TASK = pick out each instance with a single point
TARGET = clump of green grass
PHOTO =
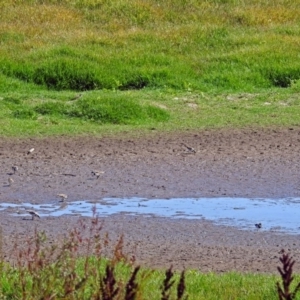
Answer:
(51, 108)
(67, 69)
(115, 110)
(24, 113)
(66, 74)
(283, 76)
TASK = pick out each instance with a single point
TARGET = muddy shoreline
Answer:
(208, 163)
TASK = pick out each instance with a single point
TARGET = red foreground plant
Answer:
(287, 277)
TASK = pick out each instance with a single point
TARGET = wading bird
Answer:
(189, 149)
(33, 214)
(97, 173)
(10, 181)
(63, 197)
(258, 225)
(15, 169)
(30, 151)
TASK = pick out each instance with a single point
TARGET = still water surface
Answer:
(281, 215)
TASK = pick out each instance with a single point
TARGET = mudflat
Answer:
(205, 163)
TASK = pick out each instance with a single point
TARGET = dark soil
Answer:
(230, 163)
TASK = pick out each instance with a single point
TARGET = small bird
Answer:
(33, 214)
(15, 169)
(190, 149)
(97, 173)
(30, 151)
(10, 181)
(258, 225)
(63, 197)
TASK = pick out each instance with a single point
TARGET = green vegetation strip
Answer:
(139, 65)
(198, 285)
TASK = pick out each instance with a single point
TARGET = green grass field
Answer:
(140, 65)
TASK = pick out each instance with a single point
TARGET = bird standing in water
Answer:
(258, 225)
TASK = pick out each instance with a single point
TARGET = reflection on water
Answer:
(274, 214)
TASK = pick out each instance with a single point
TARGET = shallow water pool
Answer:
(281, 215)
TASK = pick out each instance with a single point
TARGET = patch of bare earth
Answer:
(230, 163)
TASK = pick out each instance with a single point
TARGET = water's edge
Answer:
(274, 214)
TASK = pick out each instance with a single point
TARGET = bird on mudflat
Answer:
(15, 169)
(30, 151)
(258, 225)
(97, 173)
(63, 197)
(10, 181)
(189, 149)
(33, 214)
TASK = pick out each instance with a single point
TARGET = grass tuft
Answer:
(24, 113)
(284, 78)
(66, 74)
(115, 110)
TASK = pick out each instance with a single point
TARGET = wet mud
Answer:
(207, 163)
